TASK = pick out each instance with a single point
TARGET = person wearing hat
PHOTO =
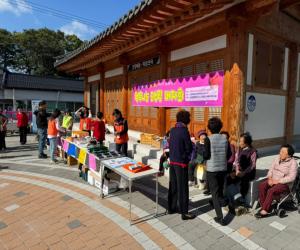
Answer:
(121, 132)
(198, 157)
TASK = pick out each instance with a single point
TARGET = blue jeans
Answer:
(42, 133)
(53, 146)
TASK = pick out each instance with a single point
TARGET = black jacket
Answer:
(180, 145)
(41, 118)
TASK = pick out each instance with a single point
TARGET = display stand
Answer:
(130, 177)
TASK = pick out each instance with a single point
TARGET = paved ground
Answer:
(49, 207)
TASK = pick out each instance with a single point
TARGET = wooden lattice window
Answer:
(215, 112)
(269, 64)
(199, 114)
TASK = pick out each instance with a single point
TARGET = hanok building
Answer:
(256, 42)
(21, 89)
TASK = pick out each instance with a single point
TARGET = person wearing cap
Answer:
(67, 120)
(198, 156)
(121, 132)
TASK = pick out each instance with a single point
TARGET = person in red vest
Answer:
(99, 128)
(85, 115)
(53, 131)
(22, 124)
(121, 132)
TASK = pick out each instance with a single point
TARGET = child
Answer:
(163, 162)
(99, 128)
(198, 157)
(53, 133)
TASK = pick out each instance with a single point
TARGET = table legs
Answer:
(156, 209)
(130, 201)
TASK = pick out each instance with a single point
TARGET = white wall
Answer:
(268, 119)
(94, 78)
(113, 72)
(199, 48)
(297, 117)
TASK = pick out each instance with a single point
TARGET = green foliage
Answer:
(35, 51)
(7, 49)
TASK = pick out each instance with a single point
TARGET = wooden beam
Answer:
(288, 3)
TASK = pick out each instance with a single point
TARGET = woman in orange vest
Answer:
(85, 115)
(53, 131)
(121, 132)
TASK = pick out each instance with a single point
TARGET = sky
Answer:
(17, 15)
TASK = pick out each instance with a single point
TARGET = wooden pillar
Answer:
(101, 91)
(292, 93)
(125, 92)
(86, 91)
(235, 89)
(163, 75)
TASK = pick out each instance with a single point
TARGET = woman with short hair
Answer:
(282, 173)
(180, 151)
(218, 153)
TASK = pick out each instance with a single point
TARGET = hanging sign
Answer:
(251, 103)
(145, 64)
(204, 90)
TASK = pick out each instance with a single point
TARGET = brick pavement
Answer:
(77, 206)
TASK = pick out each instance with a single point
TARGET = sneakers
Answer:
(43, 156)
(188, 216)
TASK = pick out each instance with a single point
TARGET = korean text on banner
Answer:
(205, 90)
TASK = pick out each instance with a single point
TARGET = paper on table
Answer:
(72, 150)
(92, 162)
(82, 156)
(65, 145)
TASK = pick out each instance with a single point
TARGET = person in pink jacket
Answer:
(282, 173)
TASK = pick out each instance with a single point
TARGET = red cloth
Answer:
(268, 193)
(22, 120)
(99, 130)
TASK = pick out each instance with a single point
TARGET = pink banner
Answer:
(92, 162)
(204, 90)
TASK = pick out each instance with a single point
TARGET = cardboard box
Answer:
(91, 179)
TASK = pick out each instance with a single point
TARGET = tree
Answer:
(7, 49)
(37, 50)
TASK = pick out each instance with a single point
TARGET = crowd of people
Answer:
(50, 128)
(209, 161)
(225, 170)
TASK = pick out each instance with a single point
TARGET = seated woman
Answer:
(244, 167)
(282, 172)
(164, 159)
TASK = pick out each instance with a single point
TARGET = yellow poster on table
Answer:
(82, 156)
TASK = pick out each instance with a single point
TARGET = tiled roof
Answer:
(23, 81)
(123, 20)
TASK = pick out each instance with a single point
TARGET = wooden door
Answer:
(94, 105)
(112, 97)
